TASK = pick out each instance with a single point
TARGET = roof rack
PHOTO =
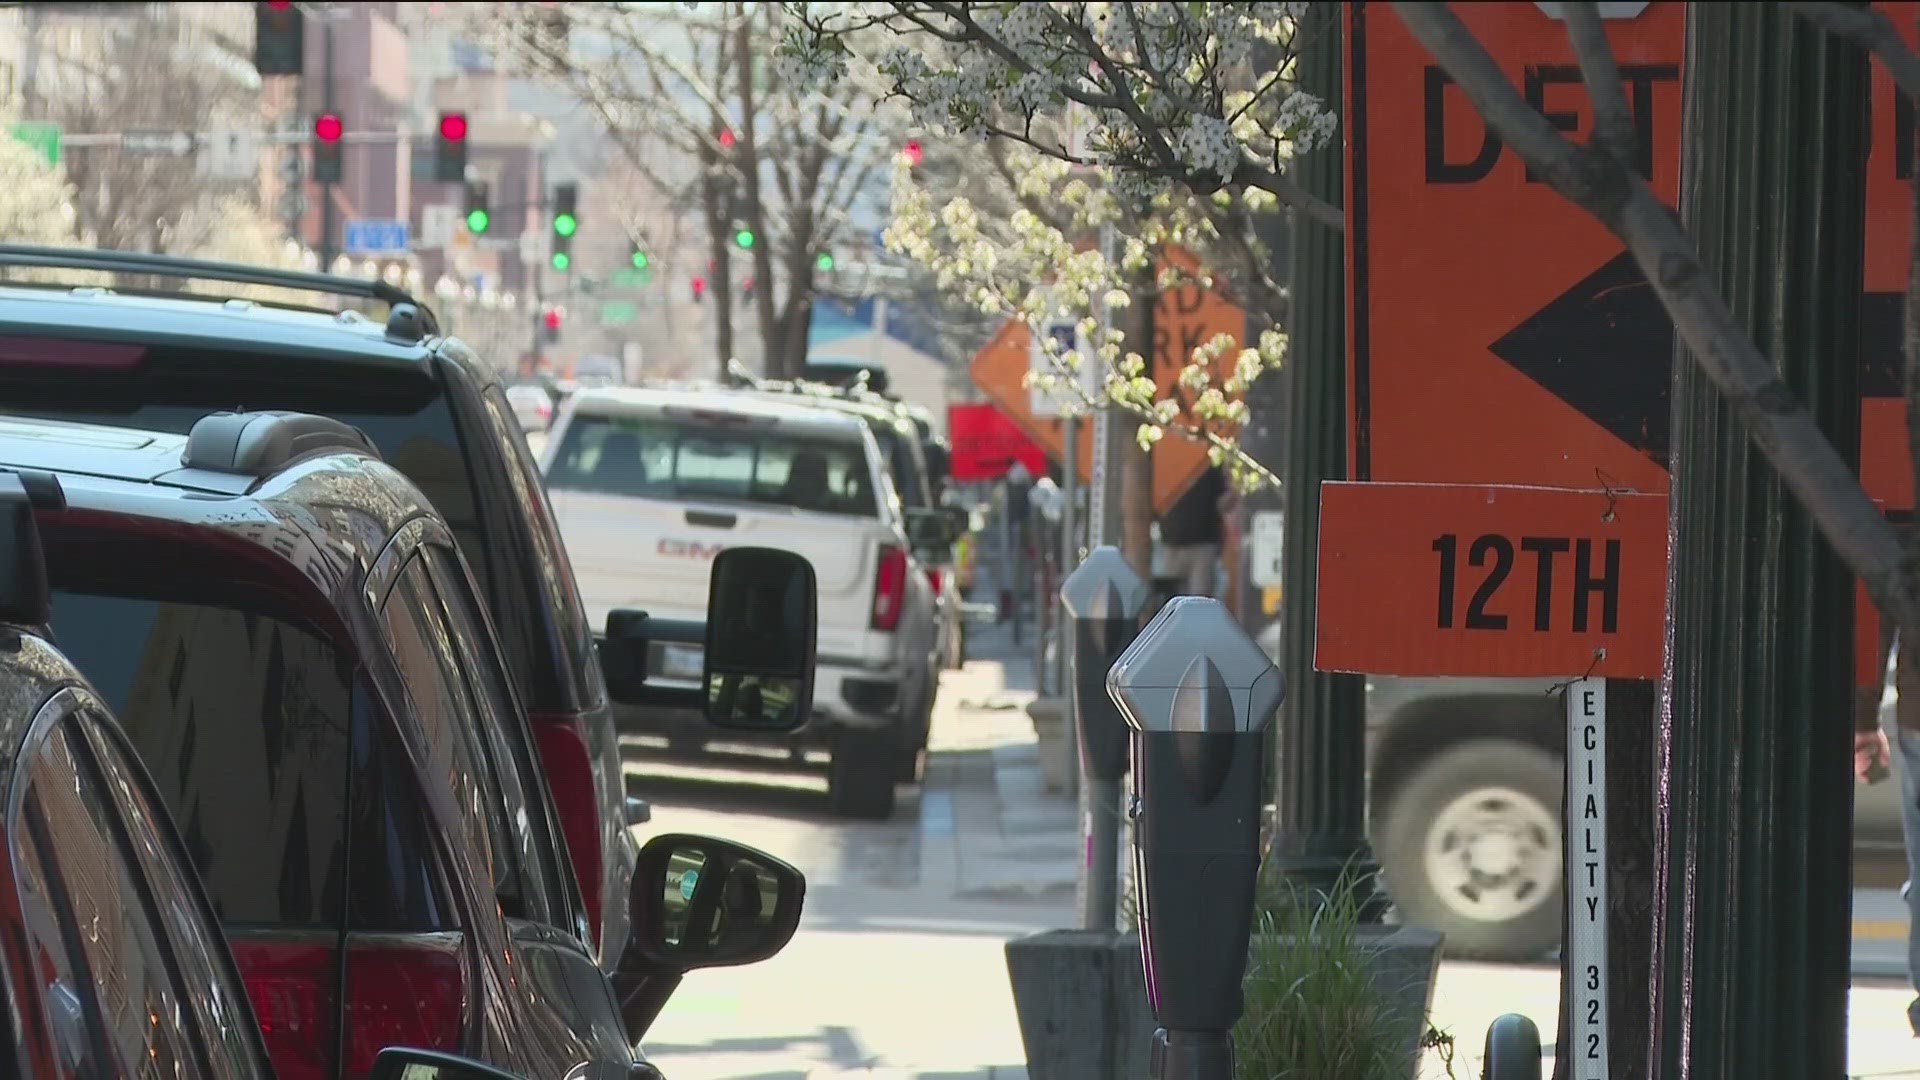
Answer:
(740, 377)
(407, 319)
(259, 444)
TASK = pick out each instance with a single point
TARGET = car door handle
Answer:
(711, 521)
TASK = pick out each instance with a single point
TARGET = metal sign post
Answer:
(1586, 840)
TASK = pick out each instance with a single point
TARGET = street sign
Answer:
(985, 444)
(157, 143)
(1551, 364)
(438, 223)
(375, 236)
(1266, 546)
(1460, 579)
(42, 135)
(1185, 317)
(1056, 397)
(231, 155)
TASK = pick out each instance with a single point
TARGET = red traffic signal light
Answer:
(453, 126)
(328, 128)
(552, 318)
(699, 287)
(913, 151)
(726, 138)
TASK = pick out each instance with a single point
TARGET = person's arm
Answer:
(1866, 711)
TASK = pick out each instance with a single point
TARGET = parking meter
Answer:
(1197, 693)
(1103, 597)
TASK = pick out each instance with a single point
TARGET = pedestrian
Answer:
(1870, 753)
(1192, 532)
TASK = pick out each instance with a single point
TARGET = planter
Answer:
(1081, 998)
(1082, 1002)
(1058, 764)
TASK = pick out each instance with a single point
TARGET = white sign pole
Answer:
(1587, 875)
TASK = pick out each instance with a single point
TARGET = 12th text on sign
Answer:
(1588, 566)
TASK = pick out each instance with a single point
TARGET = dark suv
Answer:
(434, 410)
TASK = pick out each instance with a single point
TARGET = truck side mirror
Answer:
(930, 532)
(755, 651)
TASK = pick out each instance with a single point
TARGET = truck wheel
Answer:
(860, 776)
(914, 731)
(1471, 847)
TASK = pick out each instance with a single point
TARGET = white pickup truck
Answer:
(648, 484)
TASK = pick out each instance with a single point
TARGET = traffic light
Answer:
(639, 257)
(551, 320)
(726, 138)
(478, 216)
(743, 236)
(565, 198)
(327, 130)
(699, 288)
(279, 38)
(746, 289)
(824, 262)
(450, 161)
(913, 152)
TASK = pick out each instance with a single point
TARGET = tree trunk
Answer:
(1135, 464)
(719, 282)
(776, 365)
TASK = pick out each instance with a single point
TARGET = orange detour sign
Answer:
(1185, 318)
(1458, 579)
(1499, 334)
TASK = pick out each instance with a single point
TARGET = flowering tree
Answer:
(1173, 121)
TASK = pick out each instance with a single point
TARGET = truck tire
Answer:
(860, 775)
(915, 729)
(1470, 846)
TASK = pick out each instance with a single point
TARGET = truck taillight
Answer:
(935, 579)
(889, 588)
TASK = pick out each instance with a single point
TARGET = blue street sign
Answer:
(375, 236)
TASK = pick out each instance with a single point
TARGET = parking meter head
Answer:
(761, 625)
(1104, 586)
(1154, 681)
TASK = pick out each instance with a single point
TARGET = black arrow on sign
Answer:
(1605, 347)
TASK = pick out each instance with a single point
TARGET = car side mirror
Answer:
(700, 902)
(930, 533)
(959, 521)
(407, 1063)
(756, 647)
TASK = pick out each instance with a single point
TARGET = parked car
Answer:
(649, 484)
(320, 699)
(918, 486)
(532, 406)
(435, 410)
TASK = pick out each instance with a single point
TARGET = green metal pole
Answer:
(1320, 768)
(1750, 950)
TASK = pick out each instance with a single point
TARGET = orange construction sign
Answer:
(1185, 318)
(1499, 334)
(1459, 579)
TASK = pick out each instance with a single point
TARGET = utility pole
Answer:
(1753, 893)
(1320, 765)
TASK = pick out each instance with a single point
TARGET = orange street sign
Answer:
(1457, 579)
(1500, 335)
(1185, 318)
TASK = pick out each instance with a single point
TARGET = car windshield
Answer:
(660, 458)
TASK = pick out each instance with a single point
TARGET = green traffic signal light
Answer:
(564, 224)
(824, 261)
(561, 260)
(477, 221)
(639, 260)
(744, 238)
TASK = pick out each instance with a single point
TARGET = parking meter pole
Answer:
(1198, 694)
(1102, 598)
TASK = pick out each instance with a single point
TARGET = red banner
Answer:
(986, 444)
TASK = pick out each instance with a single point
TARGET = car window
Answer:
(448, 716)
(243, 721)
(660, 458)
(228, 1034)
(507, 740)
(114, 997)
(908, 478)
(579, 665)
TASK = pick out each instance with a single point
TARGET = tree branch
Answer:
(1780, 426)
(1872, 30)
(1612, 119)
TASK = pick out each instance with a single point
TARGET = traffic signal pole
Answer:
(1753, 893)
(329, 223)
